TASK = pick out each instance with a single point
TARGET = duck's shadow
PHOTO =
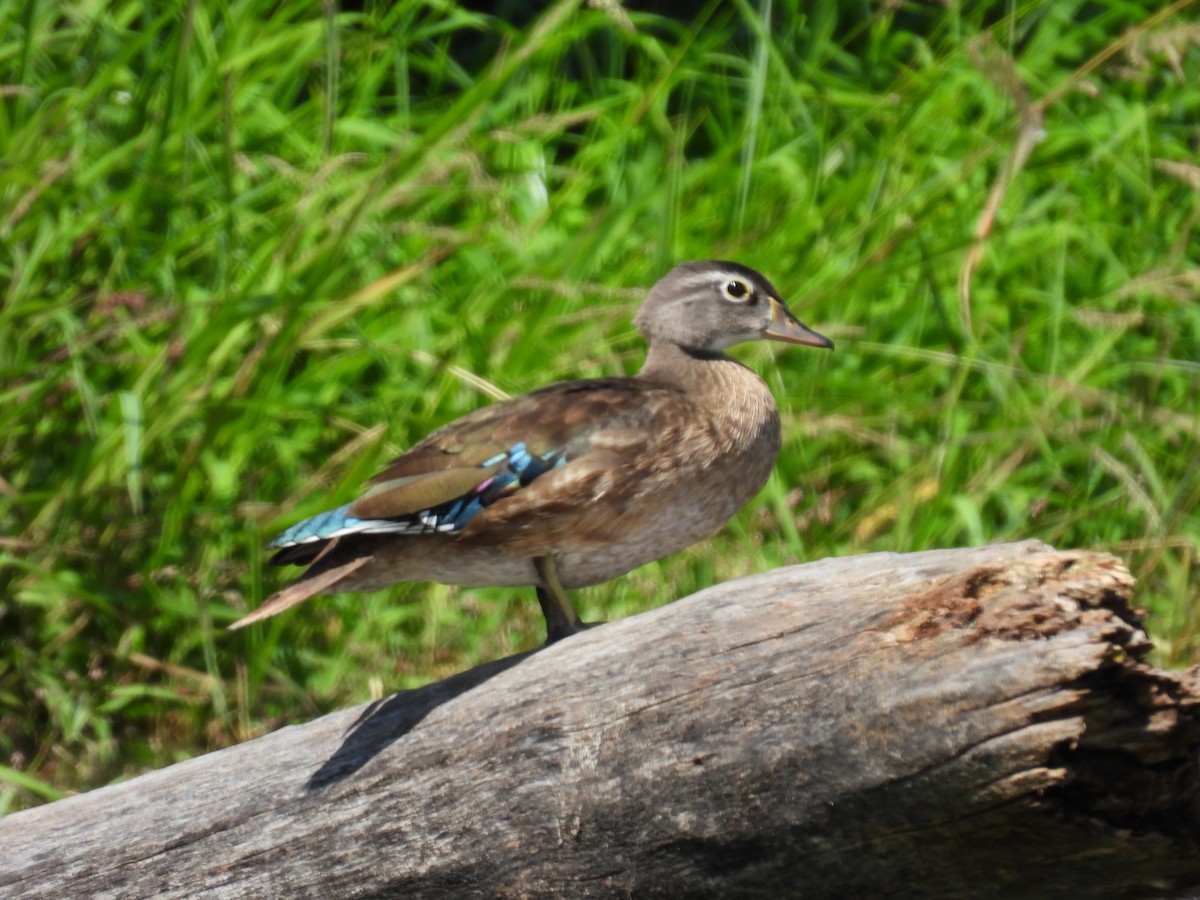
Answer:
(386, 721)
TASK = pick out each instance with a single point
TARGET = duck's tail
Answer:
(321, 577)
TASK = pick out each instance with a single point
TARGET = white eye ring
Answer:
(737, 291)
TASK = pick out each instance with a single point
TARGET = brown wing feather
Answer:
(618, 464)
(478, 436)
(611, 431)
(550, 418)
(413, 493)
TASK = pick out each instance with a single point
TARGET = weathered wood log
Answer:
(963, 723)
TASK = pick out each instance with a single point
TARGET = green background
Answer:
(250, 251)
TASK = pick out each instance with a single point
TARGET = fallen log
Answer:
(959, 723)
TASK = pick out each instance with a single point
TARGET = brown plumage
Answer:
(578, 482)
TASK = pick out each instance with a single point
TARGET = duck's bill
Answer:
(787, 328)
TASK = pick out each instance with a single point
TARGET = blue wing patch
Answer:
(521, 468)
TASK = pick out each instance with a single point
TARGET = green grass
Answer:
(245, 258)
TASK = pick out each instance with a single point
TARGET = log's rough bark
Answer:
(960, 723)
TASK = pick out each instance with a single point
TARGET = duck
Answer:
(577, 482)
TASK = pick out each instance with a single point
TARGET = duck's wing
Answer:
(470, 473)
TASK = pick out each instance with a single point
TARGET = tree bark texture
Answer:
(959, 723)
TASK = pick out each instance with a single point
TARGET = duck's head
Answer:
(708, 306)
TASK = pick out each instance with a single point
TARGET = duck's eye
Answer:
(736, 289)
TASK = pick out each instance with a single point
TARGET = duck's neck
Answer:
(730, 393)
(669, 363)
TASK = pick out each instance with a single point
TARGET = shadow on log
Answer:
(960, 723)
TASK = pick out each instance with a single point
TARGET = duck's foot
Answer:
(561, 619)
(558, 631)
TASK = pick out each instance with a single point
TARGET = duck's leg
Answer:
(561, 619)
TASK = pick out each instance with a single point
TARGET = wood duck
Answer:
(577, 482)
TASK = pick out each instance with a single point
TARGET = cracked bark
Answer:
(961, 723)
